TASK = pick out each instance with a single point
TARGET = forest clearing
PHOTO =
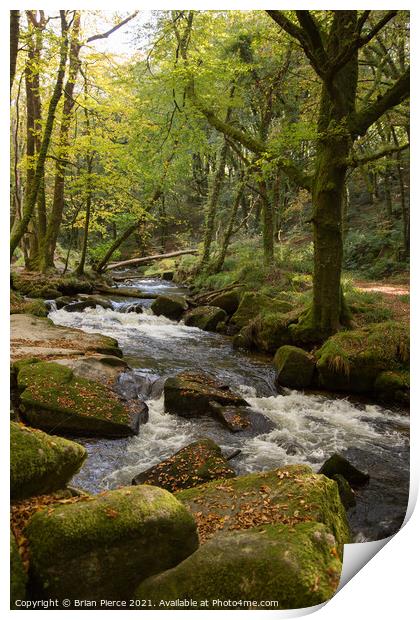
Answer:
(209, 303)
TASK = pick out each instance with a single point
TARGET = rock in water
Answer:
(195, 464)
(18, 577)
(338, 465)
(228, 301)
(291, 494)
(88, 301)
(41, 463)
(345, 491)
(54, 398)
(297, 567)
(101, 548)
(242, 419)
(205, 317)
(190, 393)
(295, 367)
(170, 306)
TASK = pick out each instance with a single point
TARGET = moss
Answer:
(297, 567)
(290, 494)
(256, 304)
(295, 367)
(18, 577)
(41, 463)
(346, 492)
(352, 360)
(393, 386)
(170, 306)
(103, 547)
(20, 305)
(228, 301)
(205, 317)
(53, 397)
(194, 464)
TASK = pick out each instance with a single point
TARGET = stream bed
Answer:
(308, 427)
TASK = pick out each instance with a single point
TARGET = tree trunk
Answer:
(81, 266)
(14, 43)
(32, 191)
(56, 215)
(218, 265)
(268, 224)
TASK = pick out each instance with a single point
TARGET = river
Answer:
(308, 427)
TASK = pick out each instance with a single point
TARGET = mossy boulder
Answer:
(393, 386)
(346, 492)
(53, 398)
(197, 463)
(291, 494)
(101, 548)
(88, 301)
(267, 332)
(295, 367)
(297, 567)
(51, 286)
(338, 465)
(41, 463)
(205, 317)
(253, 304)
(20, 305)
(171, 306)
(353, 360)
(228, 301)
(189, 394)
(18, 576)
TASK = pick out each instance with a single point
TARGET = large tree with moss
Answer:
(331, 42)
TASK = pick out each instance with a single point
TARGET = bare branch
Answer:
(106, 34)
(354, 162)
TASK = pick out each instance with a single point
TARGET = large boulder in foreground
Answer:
(353, 360)
(295, 367)
(190, 394)
(103, 547)
(194, 464)
(297, 567)
(171, 306)
(52, 397)
(18, 576)
(41, 463)
(40, 338)
(205, 317)
(291, 494)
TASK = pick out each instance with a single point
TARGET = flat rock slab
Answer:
(33, 337)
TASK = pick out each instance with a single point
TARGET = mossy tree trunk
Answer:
(14, 43)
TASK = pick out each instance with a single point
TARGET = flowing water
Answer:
(308, 427)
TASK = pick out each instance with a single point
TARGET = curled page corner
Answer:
(356, 555)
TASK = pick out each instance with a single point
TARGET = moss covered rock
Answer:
(87, 301)
(41, 463)
(53, 398)
(353, 360)
(51, 286)
(205, 317)
(228, 301)
(346, 492)
(20, 305)
(102, 548)
(295, 367)
(253, 304)
(291, 494)
(393, 386)
(189, 394)
(267, 332)
(338, 465)
(297, 567)
(197, 463)
(18, 576)
(171, 306)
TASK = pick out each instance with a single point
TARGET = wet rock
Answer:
(298, 567)
(89, 301)
(205, 317)
(64, 300)
(337, 464)
(101, 547)
(190, 393)
(233, 454)
(295, 367)
(195, 464)
(41, 463)
(242, 419)
(18, 576)
(228, 301)
(38, 337)
(291, 494)
(101, 368)
(170, 306)
(53, 398)
(346, 492)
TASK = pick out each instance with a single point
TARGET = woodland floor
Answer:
(391, 293)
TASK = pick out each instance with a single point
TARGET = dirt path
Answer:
(391, 294)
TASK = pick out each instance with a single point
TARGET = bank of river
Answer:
(308, 427)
